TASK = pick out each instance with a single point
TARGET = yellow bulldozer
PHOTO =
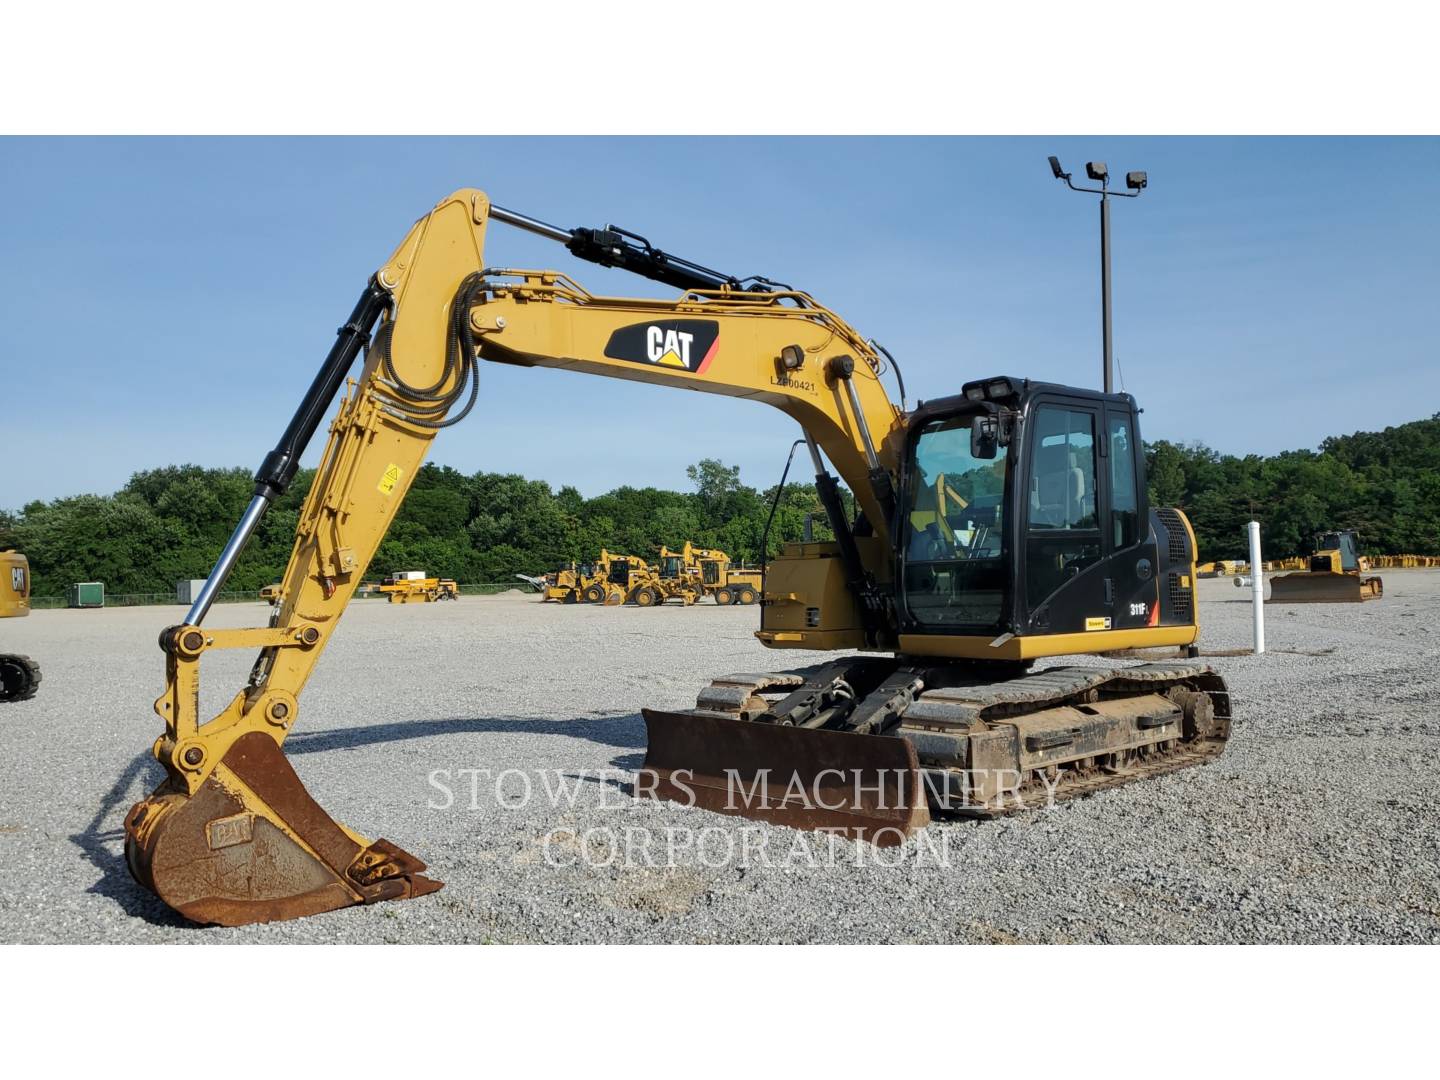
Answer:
(19, 675)
(924, 702)
(1336, 574)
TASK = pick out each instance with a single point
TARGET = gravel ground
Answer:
(1318, 825)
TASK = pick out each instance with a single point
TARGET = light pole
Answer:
(1136, 182)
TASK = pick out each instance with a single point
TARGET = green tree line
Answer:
(1383, 484)
(168, 524)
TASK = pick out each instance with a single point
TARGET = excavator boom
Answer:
(232, 836)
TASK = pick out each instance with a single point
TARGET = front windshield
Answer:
(955, 511)
(670, 566)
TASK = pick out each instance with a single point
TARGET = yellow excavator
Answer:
(19, 675)
(931, 706)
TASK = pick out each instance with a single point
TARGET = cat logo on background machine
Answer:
(689, 344)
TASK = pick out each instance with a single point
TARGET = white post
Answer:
(1257, 578)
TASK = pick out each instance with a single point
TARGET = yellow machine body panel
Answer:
(19, 675)
(14, 585)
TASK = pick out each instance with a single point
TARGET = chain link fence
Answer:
(42, 603)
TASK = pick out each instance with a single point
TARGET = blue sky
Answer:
(169, 300)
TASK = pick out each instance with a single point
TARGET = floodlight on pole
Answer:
(1136, 182)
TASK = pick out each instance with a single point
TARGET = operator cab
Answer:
(1344, 543)
(1023, 511)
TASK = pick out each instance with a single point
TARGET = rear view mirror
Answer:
(984, 437)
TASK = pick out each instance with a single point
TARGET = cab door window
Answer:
(1063, 535)
(1124, 490)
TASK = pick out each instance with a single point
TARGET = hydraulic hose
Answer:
(429, 406)
(775, 505)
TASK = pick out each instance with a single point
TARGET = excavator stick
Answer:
(1321, 587)
(251, 845)
(864, 787)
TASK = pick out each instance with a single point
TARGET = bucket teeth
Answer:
(251, 845)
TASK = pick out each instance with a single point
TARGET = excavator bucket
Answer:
(1320, 587)
(865, 787)
(251, 845)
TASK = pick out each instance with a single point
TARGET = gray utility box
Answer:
(87, 594)
(187, 591)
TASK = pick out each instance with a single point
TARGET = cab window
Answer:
(954, 522)
(1124, 497)
(1064, 531)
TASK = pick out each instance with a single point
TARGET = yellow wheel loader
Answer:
(931, 705)
(19, 675)
(1336, 574)
(614, 579)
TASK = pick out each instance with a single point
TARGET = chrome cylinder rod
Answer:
(223, 565)
(870, 457)
(815, 454)
(529, 224)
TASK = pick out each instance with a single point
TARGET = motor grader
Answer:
(19, 675)
(417, 587)
(931, 706)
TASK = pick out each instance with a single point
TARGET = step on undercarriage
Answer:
(869, 746)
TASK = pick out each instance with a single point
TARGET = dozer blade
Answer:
(866, 787)
(251, 845)
(1319, 587)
